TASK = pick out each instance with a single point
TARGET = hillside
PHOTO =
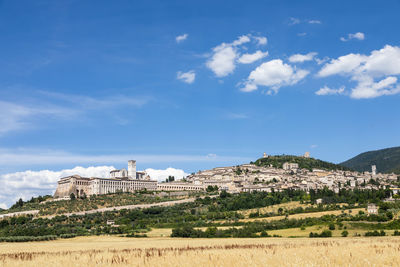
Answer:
(386, 160)
(304, 163)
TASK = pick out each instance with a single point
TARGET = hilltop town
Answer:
(257, 177)
(268, 174)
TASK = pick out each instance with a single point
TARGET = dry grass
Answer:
(302, 215)
(288, 206)
(114, 251)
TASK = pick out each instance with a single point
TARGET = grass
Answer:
(301, 215)
(116, 251)
(274, 208)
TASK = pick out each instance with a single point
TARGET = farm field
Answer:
(300, 215)
(118, 251)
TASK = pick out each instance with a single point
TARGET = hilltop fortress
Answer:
(257, 176)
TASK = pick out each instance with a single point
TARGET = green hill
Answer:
(304, 163)
(386, 160)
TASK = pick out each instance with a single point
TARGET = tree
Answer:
(345, 233)
(211, 188)
(72, 196)
(331, 226)
(20, 202)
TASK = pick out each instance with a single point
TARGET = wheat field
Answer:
(118, 251)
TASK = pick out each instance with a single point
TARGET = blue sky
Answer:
(194, 85)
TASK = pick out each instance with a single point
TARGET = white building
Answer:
(373, 168)
(290, 166)
(372, 209)
(119, 181)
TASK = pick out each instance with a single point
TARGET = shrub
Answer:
(325, 233)
(345, 233)
(375, 233)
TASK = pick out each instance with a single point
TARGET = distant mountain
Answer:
(304, 163)
(386, 160)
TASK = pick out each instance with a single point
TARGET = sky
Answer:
(182, 86)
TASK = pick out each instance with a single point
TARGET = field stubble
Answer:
(109, 251)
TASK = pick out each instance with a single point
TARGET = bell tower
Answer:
(132, 169)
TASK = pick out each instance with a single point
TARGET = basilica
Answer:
(120, 181)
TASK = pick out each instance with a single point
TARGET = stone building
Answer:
(119, 181)
(176, 186)
(290, 166)
(372, 208)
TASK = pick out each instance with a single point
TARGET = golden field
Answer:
(118, 251)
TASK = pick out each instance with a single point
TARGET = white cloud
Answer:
(225, 56)
(222, 61)
(261, 40)
(301, 58)
(33, 183)
(160, 175)
(21, 115)
(235, 116)
(301, 34)
(358, 35)
(3, 206)
(273, 74)
(15, 116)
(181, 38)
(342, 65)
(241, 40)
(314, 22)
(328, 91)
(367, 88)
(187, 77)
(294, 21)
(381, 65)
(250, 58)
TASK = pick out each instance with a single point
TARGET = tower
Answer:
(373, 167)
(132, 169)
(307, 154)
(265, 155)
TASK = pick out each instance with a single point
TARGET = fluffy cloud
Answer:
(187, 77)
(222, 62)
(342, 65)
(181, 38)
(301, 58)
(358, 35)
(225, 56)
(250, 58)
(273, 74)
(33, 183)
(367, 88)
(328, 91)
(374, 73)
(160, 175)
(261, 40)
